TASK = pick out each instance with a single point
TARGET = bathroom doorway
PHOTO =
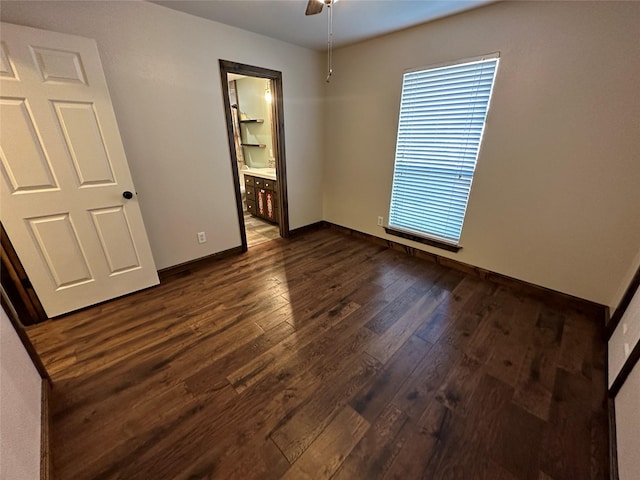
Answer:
(255, 128)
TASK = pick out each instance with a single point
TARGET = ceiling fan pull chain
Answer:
(330, 42)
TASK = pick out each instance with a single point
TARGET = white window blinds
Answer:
(442, 117)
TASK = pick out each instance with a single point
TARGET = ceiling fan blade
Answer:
(313, 7)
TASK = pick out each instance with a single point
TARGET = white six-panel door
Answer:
(64, 172)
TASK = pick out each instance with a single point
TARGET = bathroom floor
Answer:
(258, 230)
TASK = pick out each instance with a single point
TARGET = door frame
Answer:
(277, 105)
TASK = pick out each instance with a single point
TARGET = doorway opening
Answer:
(255, 129)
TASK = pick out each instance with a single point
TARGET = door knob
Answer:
(127, 194)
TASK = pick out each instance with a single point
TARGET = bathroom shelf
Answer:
(259, 145)
(252, 120)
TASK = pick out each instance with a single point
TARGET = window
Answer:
(442, 117)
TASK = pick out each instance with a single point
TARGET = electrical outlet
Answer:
(202, 237)
(380, 221)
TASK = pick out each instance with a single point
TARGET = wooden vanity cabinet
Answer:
(262, 197)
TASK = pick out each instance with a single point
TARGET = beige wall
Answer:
(164, 79)
(555, 201)
(556, 197)
(20, 402)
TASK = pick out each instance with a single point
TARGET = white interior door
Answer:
(64, 172)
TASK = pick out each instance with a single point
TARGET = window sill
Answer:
(427, 241)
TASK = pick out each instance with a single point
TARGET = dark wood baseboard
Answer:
(624, 303)
(196, 264)
(537, 291)
(15, 320)
(427, 241)
(309, 228)
(45, 432)
(18, 288)
(613, 447)
(627, 367)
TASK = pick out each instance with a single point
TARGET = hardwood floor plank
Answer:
(125, 378)
(507, 358)
(256, 459)
(381, 322)
(383, 347)
(566, 447)
(458, 387)
(465, 449)
(599, 447)
(373, 398)
(416, 444)
(272, 401)
(307, 332)
(516, 447)
(276, 399)
(536, 379)
(212, 377)
(544, 476)
(327, 452)
(267, 318)
(491, 400)
(326, 355)
(600, 452)
(421, 386)
(153, 453)
(373, 455)
(493, 332)
(575, 352)
(303, 426)
(472, 298)
(304, 341)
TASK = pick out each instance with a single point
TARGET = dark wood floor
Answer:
(327, 357)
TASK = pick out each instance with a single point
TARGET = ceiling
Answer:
(353, 20)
